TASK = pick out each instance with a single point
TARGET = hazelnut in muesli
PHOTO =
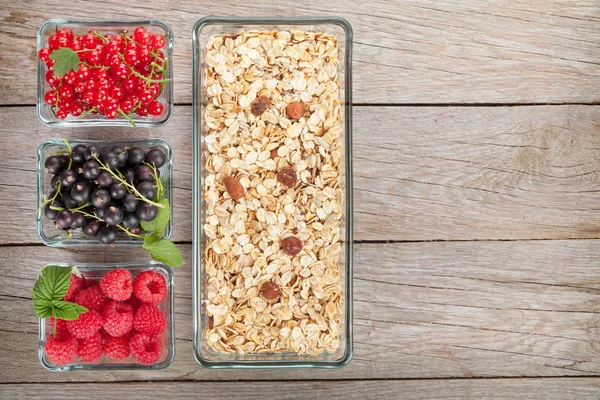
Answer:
(273, 153)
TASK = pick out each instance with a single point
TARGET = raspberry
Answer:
(91, 298)
(150, 287)
(60, 349)
(135, 302)
(59, 327)
(86, 325)
(75, 285)
(90, 349)
(117, 284)
(118, 318)
(146, 348)
(117, 347)
(149, 319)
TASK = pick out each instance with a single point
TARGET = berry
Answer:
(81, 192)
(150, 287)
(144, 173)
(50, 97)
(146, 212)
(91, 228)
(64, 219)
(156, 108)
(92, 298)
(91, 169)
(53, 165)
(129, 203)
(78, 154)
(59, 326)
(130, 220)
(146, 348)
(118, 191)
(68, 177)
(44, 54)
(117, 284)
(156, 157)
(111, 160)
(118, 318)
(100, 198)
(91, 151)
(90, 349)
(68, 201)
(104, 179)
(113, 215)
(78, 220)
(60, 349)
(117, 348)
(86, 325)
(158, 42)
(150, 319)
(76, 283)
(147, 189)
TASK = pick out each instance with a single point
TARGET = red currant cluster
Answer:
(116, 75)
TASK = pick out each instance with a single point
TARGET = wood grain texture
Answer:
(417, 51)
(422, 310)
(422, 173)
(531, 389)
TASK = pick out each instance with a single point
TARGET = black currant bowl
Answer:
(95, 272)
(47, 114)
(48, 230)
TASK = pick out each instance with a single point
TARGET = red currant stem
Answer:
(128, 185)
(88, 111)
(95, 33)
(131, 121)
(85, 50)
(137, 105)
(134, 72)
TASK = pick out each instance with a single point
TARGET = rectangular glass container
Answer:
(203, 30)
(55, 237)
(96, 271)
(44, 110)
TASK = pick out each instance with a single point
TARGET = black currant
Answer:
(54, 181)
(100, 198)
(49, 212)
(122, 155)
(117, 191)
(113, 215)
(104, 179)
(64, 219)
(136, 230)
(67, 178)
(91, 170)
(136, 156)
(53, 165)
(129, 175)
(90, 151)
(143, 173)
(68, 201)
(156, 157)
(130, 220)
(111, 160)
(146, 212)
(147, 189)
(108, 234)
(91, 227)
(78, 220)
(78, 154)
(129, 202)
(81, 192)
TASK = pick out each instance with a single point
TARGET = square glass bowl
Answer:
(203, 353)
(47, 231)
(96, 271)
(44, 111)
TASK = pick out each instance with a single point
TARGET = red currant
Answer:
(66, 103)
(116, 92)
(111, 114)
(126, 105)
(101, 96)
(44, 54)
(70, 78)
(100, 73)
(158, 42)
(129, 84)
(53, 42)
(62, 113)
(91, 84)
(50, 97)
(63, 42)
(77, 109)
(156, 108)
(66, 90)
(83, 74)
(65, 33)
(79, 87)
(142, 111)
(111, 104)
(88, 97)
(52, 80)
(93, 57)
(76, 45)
(119, 71)
(88, 40)
(131, 57)
(146, 97)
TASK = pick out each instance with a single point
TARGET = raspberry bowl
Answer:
(115, 352)
(127, 104)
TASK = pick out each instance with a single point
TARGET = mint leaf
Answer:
(163, 250)
(67, 310)
(66, 60)
(158, 224)
(48, 293)
(52, 284)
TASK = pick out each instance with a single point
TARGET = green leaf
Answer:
(163, 250)
(51, 286)
(67, 310)
(159, 224)
(66, 60)
(43, 309)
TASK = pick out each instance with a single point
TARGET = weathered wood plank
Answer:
(422, 310)
(533, 389)
(413, 51)
(434, 173)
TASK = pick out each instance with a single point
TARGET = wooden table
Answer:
(477, 203)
